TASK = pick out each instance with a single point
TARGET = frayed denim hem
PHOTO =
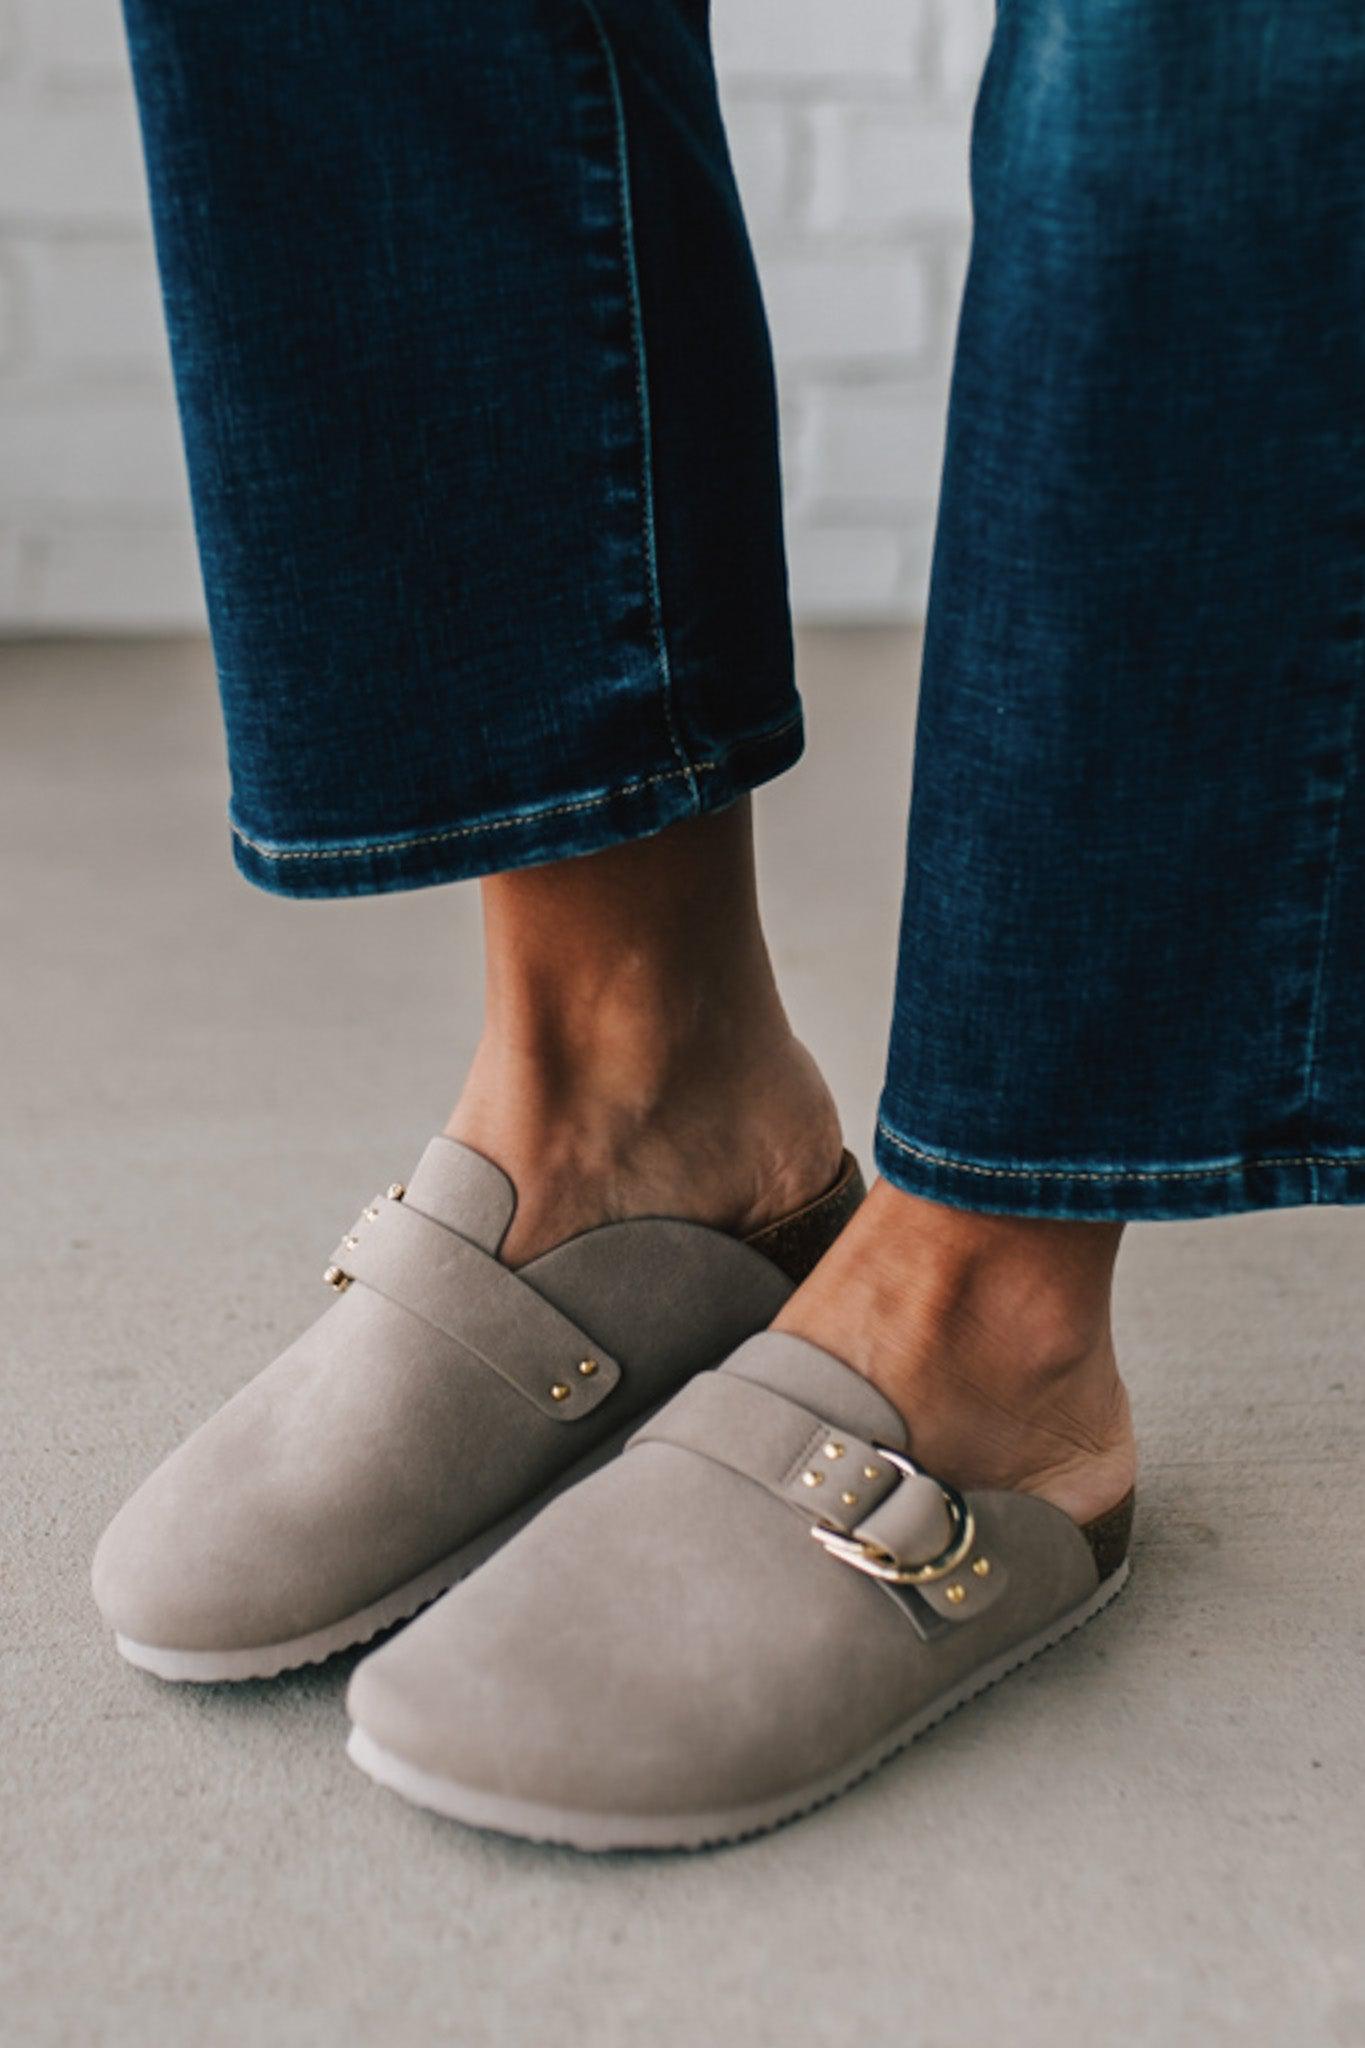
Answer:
(557, 830)
(1095, 1193)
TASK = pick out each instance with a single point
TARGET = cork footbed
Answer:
(1110, 1534)
(798, 1242)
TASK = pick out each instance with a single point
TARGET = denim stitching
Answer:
(637, 331)
(503, 824)
(1329, 900)
(1220, 1171)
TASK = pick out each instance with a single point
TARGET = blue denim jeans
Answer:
(478, 407)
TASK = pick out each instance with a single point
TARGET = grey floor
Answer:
(1156, 1835)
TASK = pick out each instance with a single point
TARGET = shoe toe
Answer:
(160, 1578)
(194, 1563)
(324, 1484)
(629, 1655)
(275, 1519)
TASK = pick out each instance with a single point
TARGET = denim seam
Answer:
(1219, 1170)
(1329, 899)
(649, 529)
(360, 850)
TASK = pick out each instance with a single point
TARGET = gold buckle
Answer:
(879, 1562)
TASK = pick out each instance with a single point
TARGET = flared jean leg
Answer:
(479, 418)
(1132, 970)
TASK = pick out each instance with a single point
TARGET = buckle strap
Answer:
(869, 1506)
(922, 1544)
(922, 1532)
(822, 1472)
(471, 1297)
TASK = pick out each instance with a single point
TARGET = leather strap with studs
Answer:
(823, 1473)
(483, 1305)
(839, 1483)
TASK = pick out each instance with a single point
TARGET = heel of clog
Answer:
(798, 1242)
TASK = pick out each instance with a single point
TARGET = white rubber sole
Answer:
(600, 1832)
(268, 1660)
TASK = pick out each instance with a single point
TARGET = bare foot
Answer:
(636, 1059)
(732, 1148)
(991, 1334)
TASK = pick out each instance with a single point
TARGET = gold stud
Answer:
(396, 1191)
(336, 1278)
(957, 1594)
(587, 1366)
(982, 1567)
(559, 1392)
(872, 1471)
(372, 1211)
(850, 1500)
(812, 1478)
(834, 1450)
(350, 1241)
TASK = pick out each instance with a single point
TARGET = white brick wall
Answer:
(849, 126)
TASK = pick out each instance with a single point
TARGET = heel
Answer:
(798, 1242)
(1109, 1535)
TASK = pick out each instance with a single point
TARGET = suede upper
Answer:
(378, 1443)
(667, 1638)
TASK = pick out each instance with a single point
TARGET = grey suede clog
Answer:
(754, 1606)
(438, 1403)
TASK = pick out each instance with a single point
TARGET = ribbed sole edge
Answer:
(596, 1833)
(271, 1660)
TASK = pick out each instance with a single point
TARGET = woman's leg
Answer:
(636, 1058)
(1132, 965)
(480, 427)
(480, 424)
(479, 417)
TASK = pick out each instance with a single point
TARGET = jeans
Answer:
(479, 414)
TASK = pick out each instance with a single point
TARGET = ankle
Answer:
(636, 1056)
(1037, 1289)
(735, 1145)
(621, 983)
(626, 1038)
(991, 1336)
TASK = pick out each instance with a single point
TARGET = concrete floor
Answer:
(1156, 1835)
